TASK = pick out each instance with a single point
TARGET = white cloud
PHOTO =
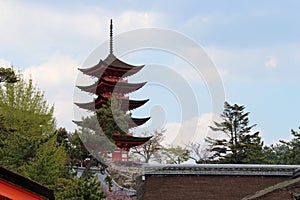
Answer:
(205, 75)
(244, 63)
(133, 19)
(208, 24)
(193, 130)
(57, 78)
(271, 63)
(31, 25)
(196, 65)
(4, 63)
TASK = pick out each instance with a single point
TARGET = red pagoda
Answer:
(111, 74)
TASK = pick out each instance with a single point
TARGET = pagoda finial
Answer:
(111, 38)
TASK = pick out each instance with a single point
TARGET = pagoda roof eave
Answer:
(125, 104)
(130, 138)
(134, 122)
(137, 122)
(111, 62)
(111, 83)
(127, 141)
(102, 65)
(115, 86)
(123, 101)
(87, 106)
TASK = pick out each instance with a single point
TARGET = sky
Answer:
(254, 47)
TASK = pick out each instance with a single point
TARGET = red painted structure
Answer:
(17, 187)
(117, 155)
(111, 73)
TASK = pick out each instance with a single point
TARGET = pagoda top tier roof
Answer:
(111, 63)
(112, 60)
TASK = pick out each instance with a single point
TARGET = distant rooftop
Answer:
(221, 169)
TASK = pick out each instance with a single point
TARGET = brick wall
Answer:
(286, 190)
(166, 187)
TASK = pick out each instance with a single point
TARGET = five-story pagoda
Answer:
(111, 74)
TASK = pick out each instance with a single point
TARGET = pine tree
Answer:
(25, 109)
(82, 189)
(8, 75)
(49, 164)
(277, 154)
(92, 135)
(293, 152)
(26, 121)
(237, 143)
(112, 119)
(77, 151)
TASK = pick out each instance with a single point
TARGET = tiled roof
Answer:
(220, 169)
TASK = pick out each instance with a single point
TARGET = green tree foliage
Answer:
(62, 136)
(26, 121)
(77, 151)
(49, 164)
(237, 143)
(62, 153)
(112, 119)
(82, 189)
(92, 135)
(277, 154)
(96, 131)
(293, 152)
(25, 109)
(173, 155)
(285, 152)
(8, 75)
(30, 145)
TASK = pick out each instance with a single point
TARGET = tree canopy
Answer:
(112, 119)
(292, 148)
(237, 143)
(26, 122)
(31, 146)
(8, 75)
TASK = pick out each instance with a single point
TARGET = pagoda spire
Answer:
(111, 37)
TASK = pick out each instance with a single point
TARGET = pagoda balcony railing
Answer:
(117, 95)
(115, 79)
